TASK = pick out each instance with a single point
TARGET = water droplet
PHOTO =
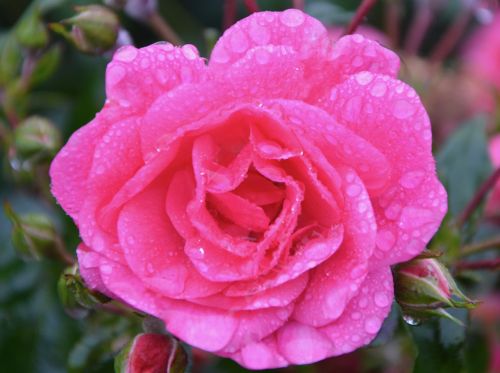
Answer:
(403, 109)
(220, 55)
(189, 51)
(98, 243)
(378, 89)
(364, 77)
(262, 56)
(238, 41)
(353, 190)
(145, 63)
(259, 34)
(381, 299)
(126, 54)
(106, 269)
(412, 179)
(385, 240)
(372, 324)
(292, 17)
(410, 320)
(115, 74)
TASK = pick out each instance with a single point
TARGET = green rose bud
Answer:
(36, 137)
(76, 298)
(424, 287)
(151, 352)
(93, 30)
(33, 235)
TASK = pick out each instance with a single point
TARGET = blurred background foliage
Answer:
(48, 89)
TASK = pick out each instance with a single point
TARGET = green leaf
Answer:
(463, 164)
(46, 65)
(10, 59)
(30, 31)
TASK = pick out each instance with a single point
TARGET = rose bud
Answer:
(33, 234)
(36, 137)
(94, 29)
(75, 296)
(151, 353)
(424, 286)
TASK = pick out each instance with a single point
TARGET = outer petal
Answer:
(389, 115)
(261, 355)
(71, 166)
(363, 316)
(135, 77)
(306, 35)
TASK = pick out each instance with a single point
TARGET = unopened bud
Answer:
(151, 352)
(76, 298)
(33, 235)
(424, 287)
(94, 29)
(36, 136)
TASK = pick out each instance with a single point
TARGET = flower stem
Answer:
(392, 21)
(299, 4)
(229, 13)
(418, 27)
(493, 243)
(163, 29)
(251, 6)
(478, 197)
(360, 14)
(492, 265)
(451, 36)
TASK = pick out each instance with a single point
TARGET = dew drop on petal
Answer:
(292, 17)
(412, 179)
(364, 77)
(403, 109)
(126, 54)
(378, 89)
(381, 299)
(106, 269)
(372, 324)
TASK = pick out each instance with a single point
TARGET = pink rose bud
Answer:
(94, 29)
(424, 286)
(152, 353)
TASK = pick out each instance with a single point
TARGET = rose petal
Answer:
(306, 35)
(364, 315)
(261, 355)
(154, 251)
(337, 280)
(302, 344)
(389, 114)
(135, 77)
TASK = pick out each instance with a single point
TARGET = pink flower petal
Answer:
(261, 355)
(155, 252)
(302, 344)
(364, 315)
(306, 35)
(389, 115)
(337, 280)
(135, 77)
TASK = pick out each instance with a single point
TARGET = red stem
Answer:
(491, 265)
(251, 6)
(392, 20)
(299, 4)
(452, 36)
(361, 13)
(418, 27)
(229, 13)
(478, 197)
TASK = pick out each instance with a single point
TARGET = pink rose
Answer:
(493, 203)
(254, 203)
